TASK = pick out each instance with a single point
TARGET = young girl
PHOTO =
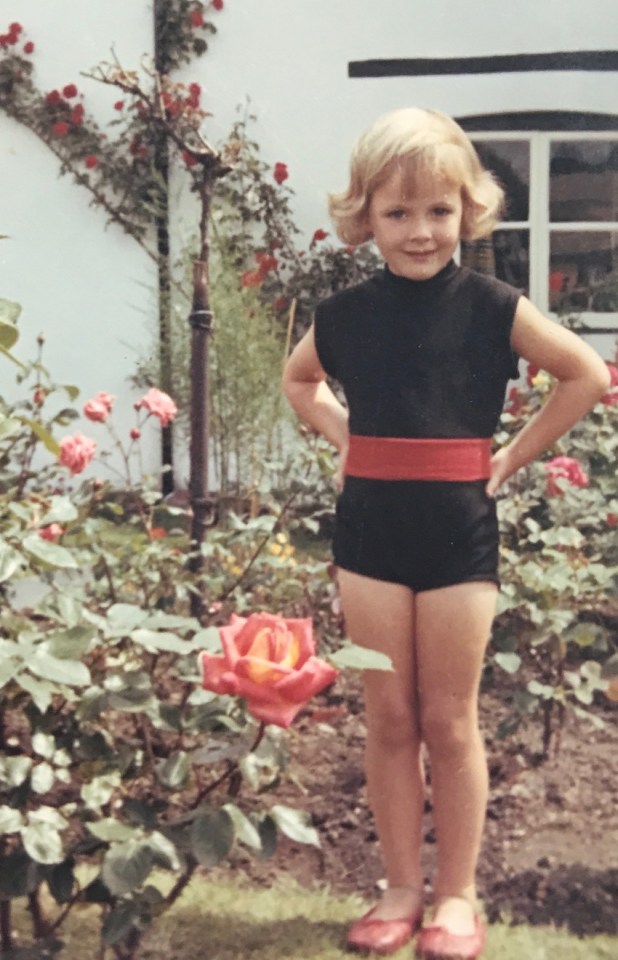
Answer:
(423, 351)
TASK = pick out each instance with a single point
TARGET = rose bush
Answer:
(271, 662)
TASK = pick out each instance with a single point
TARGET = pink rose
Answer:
(159, 404)
(51, 532)
(76, 452)
(99, 407)
(564, 468)
(270, 662)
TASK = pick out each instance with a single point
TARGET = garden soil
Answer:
(550, 853)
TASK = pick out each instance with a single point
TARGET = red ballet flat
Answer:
(438, 943)
(371, 935)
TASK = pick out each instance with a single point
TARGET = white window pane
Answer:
(583, 181)
(509, 161)
(583, 272)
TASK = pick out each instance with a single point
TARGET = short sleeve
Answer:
(513, 300)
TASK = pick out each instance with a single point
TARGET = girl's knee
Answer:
(449, 733)
(392, 727)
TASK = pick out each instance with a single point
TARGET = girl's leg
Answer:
(452, 629)
(380, 616)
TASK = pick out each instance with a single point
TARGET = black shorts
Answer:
(424, 534)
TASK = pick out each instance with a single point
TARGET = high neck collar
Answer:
(404, 284)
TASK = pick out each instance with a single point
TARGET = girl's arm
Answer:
(304, 384)
(582, 378)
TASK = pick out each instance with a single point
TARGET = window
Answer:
(559, 237)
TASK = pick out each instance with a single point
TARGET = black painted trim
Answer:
(509, 63)
(539, 120)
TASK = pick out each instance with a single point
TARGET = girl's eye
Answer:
(396, 214)
(442, 211)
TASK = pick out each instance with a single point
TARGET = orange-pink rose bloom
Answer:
(159, 404)
(270, 662)
(99, 407)
(76, 452)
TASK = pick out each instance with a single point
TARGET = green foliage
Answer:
(110, 749)
(559, 568)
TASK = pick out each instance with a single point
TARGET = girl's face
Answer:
(416, 224)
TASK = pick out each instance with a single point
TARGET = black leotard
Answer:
(428, 359)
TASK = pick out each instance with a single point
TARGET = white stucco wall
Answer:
(91, 290)
(85, 285)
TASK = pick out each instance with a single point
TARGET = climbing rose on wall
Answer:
(280, 172)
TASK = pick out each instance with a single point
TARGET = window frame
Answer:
(538, 224)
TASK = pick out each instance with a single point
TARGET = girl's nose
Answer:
(419, 228)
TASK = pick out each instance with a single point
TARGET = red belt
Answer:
(395, 458)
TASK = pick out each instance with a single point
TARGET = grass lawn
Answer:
(287, 922)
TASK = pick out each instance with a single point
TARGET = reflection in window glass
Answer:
(583, 273)
(583, 181)
(511, 256)
(509, 161)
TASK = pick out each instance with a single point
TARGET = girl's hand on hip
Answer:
(501, 470)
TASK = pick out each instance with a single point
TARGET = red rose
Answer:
(280, 172)
(29, 47)
(119, 105)
(270, 662)
(51, 532)
(60, 129)
(318, 235)
(189, 158)
(158, 404)
(91, 161)
(252, 278)
(15, 28)
(76, 452)
(533, 370)
(612, 519)
(77, 115)
(564, 468)
(266, 262)
(135, 433)
(197, 18)
(69, 91)
(53, 98)
(39, 397)
(514, 402)
(217, 4)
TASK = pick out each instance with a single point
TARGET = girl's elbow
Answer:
(602, 380)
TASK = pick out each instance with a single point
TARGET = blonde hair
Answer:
(421, 142)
